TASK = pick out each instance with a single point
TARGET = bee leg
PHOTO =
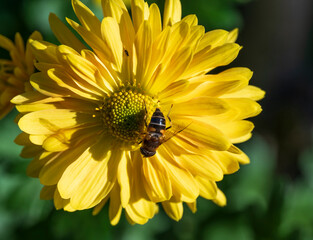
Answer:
(145, 117)
(169, 119)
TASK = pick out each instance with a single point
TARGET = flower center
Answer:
(124, 113)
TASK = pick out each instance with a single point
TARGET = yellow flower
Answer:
(126, 2)
(15, 73)
(85, 123)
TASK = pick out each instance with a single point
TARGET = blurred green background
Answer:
(271, 198)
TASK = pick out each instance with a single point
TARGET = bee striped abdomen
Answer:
(157, 121)
(155, 133)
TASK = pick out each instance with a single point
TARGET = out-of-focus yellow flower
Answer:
(15, 73)
(85, 123)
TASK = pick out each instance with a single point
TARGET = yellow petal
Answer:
(250, 92)
(19, 43)
(119, 12)
(213, 39)
(208, 188)
(108, 77)
(172, 12)
(123, 178)
(177, 66)
(37, 139)
(184, 187)
(239, 108)
(88, 176)
(157, 182)
(6, 43)
(113, 8)
(47, 192)
(50, 121)
(34, 107)
(237, 73)
(228, 162)
(86, 17)
(38, 162)
(115, 208)
(23, 139)
(141, 211)
(30, 151)
(246, 108)
(99, 207)
(111, 34)
(199, 106)
(202, 166)
(206, 135)
(220, 198)
(238, 131)
(173, 209)
(192, 206)
(59, 202)
(97, 178)
(86, 71)
(52, 171)
(143, 43)
(63, 34)
(29, 57)
(65, 84)
(191, 19)
(155, 20)
(140, 12)
(232, 36)
(174, 89)
(43, 51)
(219, 56)
(93, 40)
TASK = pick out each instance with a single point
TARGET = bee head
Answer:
(154, 138)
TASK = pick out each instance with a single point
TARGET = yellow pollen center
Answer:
(124, 114)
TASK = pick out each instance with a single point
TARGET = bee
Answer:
(155, 134)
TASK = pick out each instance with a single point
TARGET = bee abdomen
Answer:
(157, 120)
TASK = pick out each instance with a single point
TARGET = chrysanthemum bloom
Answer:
(86, 121)
(126, 2)
(15, 73)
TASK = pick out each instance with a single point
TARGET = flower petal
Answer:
(50, 121)
(157, 182)
(251, 92)
(63, 34)
(184, 186)
(123, 178)
(47, 192)
(173, 209)
(111, 34)
(208, 188)
(202, 166)
(220, 198)
(172, 12)
(140, 12)
(199, 106)
(86, 17)
(206, 136)
(115, 208)
(219, 56)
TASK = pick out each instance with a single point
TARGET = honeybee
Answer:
(155, 134)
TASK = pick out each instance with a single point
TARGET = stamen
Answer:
(124, 112)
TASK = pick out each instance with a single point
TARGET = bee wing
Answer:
(174, 130)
